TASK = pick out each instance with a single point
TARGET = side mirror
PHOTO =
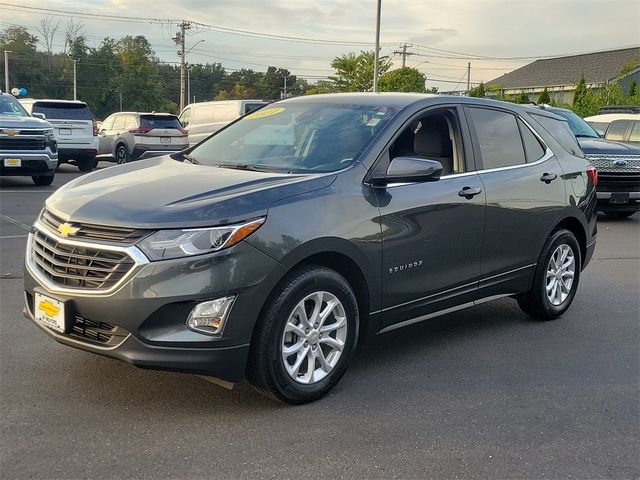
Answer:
(600, 133)
(39, 115)
(409, 169)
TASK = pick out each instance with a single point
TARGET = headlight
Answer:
(166, 244)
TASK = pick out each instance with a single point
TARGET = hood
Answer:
(11, 121)
(165, 193)
(602, 146)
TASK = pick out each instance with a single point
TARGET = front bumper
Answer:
(33, 164)
(618, 201)
(149, 309)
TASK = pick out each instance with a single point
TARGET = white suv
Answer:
(75, 129)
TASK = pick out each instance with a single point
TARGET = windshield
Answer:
(578, 126)
(10, 106)
(296, 137)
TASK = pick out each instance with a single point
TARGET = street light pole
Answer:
(377, 52)
(6, 70)
(75, 96)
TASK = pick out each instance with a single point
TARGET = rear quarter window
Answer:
(560, 131)
(63, 111)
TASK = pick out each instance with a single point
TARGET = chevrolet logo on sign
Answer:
(67, 229)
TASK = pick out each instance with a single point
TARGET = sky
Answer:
(495, 36)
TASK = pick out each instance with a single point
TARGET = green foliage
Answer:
(633, 89)
(580, 101)
(405, 79)
(354, 73)
(544, 97)
(477, 91)
(238, 92)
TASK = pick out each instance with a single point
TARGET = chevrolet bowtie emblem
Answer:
(11, 133)
(67, 229)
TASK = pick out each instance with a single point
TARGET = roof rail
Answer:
(619, 109)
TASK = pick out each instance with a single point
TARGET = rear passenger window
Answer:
(118, 123)
(559, 129)
(616, 130)
(499, 138)
(532, 147)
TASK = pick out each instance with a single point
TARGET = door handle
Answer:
(548, 178)
(470, 192)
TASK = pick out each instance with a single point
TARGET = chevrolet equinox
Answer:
(276, 245)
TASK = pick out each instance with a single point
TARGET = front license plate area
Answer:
(619, 197)
(12, 162)
(165, 139)
(50, 313)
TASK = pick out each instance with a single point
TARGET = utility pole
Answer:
(284, 93)
(75, 62)
(6, 70)
(188, 83)
(180, 40)
(404, 53)
(468, 77)
(120, 92)
(376, 69)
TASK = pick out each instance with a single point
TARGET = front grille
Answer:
(21, 143)
(95, 232)
(97, 332)
(606, 163)
(78, 267)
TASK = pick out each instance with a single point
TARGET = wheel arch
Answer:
(575, 226)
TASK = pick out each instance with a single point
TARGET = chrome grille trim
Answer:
(122, 261)
(605, 162)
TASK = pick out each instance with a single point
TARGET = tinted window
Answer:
(63, 111)
(635, 132)
(499, 138)
(616, 130)
(578, 126)
(159, 121)
(250, 107)
(10, 106)
(560, 130)
(532, 146)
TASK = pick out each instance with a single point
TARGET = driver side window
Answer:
(433, 136)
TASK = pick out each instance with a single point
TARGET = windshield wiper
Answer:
(252, 168)
(580, 135)
(190, 159)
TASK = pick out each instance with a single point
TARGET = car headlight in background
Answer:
(166, 244)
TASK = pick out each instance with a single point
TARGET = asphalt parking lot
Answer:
(482, 393)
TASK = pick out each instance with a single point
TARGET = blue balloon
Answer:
(23, 92)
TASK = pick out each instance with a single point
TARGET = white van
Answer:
(201, 119)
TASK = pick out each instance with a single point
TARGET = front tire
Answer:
(43, 181)
(556, 278)
(122, 154)
(305, 337)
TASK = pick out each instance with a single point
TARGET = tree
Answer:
(477, 91)
(405, 79)
(580, 101)
(633, 88)
(544, 97)
(522, 98)
(354, 73)
(321, 86)
(238, 92)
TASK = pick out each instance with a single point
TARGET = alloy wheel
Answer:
(560, 274)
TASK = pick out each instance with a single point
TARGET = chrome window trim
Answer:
(134, 253)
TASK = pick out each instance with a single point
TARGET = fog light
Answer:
(210, 316)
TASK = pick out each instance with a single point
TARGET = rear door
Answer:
(525, 194)
(105, 142)
(71, 121)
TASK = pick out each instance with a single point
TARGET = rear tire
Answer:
(87, 164)
(43, 181)
(556, 278)
(122, 154)
(298, 355)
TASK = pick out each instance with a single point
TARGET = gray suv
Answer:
(273, 248)
(28, 146)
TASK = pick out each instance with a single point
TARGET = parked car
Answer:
(132, 135)
(74, 127)
(28, 145)
(277, 245)
(601, 122)
(201, 119)
(627, 131)
(618, 166)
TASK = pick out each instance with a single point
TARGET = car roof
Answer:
(610, 117)
(165, 114)
(50, 100)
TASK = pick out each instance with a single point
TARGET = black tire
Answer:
(536, 303)
(121, 154)
(620, 214)
(266, 369)
(43, 181)
(87, 164)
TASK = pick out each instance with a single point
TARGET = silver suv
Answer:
(131, 136)
(28, 145)
(75, 129)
